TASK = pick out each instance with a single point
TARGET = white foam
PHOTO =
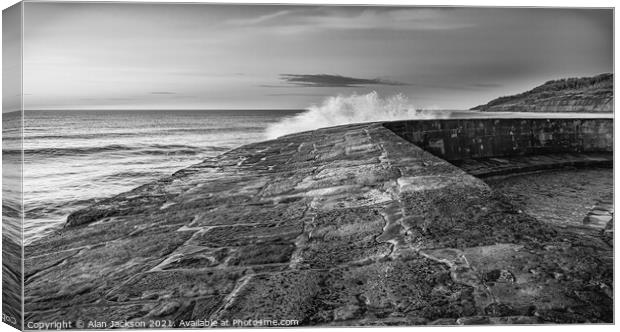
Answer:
(355, 108)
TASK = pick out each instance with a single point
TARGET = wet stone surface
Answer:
(563, 197)
(349, 225)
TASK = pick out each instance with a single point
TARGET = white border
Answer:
(473, 3)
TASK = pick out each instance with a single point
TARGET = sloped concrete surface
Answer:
(348, 225)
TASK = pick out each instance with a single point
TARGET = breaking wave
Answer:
(355, 108)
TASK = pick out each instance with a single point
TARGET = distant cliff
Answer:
(586, 94)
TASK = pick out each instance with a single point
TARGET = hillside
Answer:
(586, 94)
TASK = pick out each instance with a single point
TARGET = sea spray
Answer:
(355, 108)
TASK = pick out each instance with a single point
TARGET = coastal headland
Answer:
(362, 224)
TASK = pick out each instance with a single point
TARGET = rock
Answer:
(598, 219)
(558, 246)
(465, 276)
(559, 316)
(164, 309)
(593, 298)
(607, 290)
(473, 320)
(499, 309)
(443, 321)
(598, 212)
(504, 276)
(515, 320)
(608, 207)
(417, 320)
(347, 312)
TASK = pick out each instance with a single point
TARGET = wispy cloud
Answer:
(292, 21)
(296, 94)
(325, 80)
(487, 85)
(163, 93)
(259, 19)
(399, 19)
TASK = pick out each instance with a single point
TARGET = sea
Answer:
(74, 158)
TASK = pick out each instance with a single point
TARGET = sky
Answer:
(198, 56)
(11, 59)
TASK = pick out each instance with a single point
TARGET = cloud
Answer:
(399, 19)
(325, 80)
(487, 85)
(163, 93)
(259, 19)
(334, 18)
(296, 94)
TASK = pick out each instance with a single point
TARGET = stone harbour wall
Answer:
(460, 139)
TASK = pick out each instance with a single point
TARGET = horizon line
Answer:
(158, 109)
(197, 109)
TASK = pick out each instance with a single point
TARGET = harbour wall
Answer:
(460, 139)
